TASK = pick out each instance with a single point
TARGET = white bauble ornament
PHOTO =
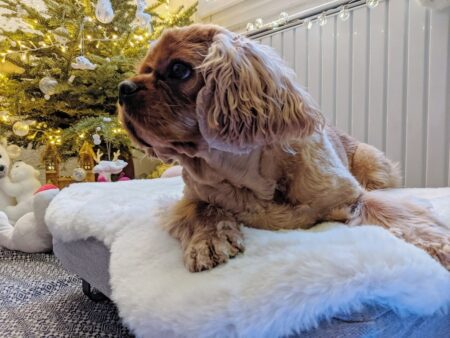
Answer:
(79, 174)
(104, 11)
(61, 35)
(141, 4)
(83, 63)
(107, 119)
(4, 116)
(96, 139)
(21, 128)
(143, 20)
(47, 85)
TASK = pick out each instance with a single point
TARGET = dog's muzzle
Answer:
(127, 89)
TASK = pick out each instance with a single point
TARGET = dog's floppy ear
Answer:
(250, 97)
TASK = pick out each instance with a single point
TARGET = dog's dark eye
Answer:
(146, 70)
(180, 71)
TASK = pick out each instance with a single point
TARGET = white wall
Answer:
(235, 14)
(384, 77)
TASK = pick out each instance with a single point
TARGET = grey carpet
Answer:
(38, 298)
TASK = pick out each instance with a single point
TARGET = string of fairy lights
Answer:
(59, 38)
(61, 33)
(343, 12)
(49, 43)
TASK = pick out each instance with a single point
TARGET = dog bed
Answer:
(329, 281)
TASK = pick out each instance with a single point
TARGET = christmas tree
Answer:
(70, 58)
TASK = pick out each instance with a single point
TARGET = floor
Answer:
(38, 298)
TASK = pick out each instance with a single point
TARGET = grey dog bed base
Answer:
(89, 259)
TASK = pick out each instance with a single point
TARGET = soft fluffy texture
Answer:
(255, 149)
(100, 210)
(21, 184)
(7, 154)
(287, 280)
(29, 233)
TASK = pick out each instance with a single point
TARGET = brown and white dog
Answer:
(255, 149)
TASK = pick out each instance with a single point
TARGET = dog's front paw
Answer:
(210, 248)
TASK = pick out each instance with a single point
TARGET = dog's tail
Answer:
(405, 219)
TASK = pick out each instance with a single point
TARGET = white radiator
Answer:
(383, 76)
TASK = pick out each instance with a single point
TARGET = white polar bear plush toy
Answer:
(7, 155)
(30, 233)
(22, 184)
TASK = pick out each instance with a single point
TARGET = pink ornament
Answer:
(46, 187)
(102, 179)
(122, 177)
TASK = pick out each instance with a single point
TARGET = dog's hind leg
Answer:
(406, 220)
(373, 169)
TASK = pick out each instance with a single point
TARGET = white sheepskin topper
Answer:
(284, 282)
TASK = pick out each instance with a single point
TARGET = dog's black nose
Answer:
(2, 168)
(127, 88)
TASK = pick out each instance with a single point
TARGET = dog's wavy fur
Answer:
(256, 150)
(240, 115)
